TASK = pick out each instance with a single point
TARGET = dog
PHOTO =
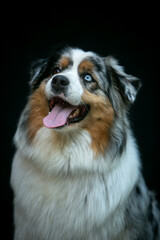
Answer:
(76, 173)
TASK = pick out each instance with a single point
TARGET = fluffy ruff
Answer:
(76, 171)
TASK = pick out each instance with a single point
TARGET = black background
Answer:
(132, 39)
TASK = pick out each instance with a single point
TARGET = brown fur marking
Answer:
(86, 66)
(64, 62)
(98, 121)
(38, 110)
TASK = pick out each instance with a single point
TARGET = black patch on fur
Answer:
(138, 190)
(108, 77)
(118, 136)
(43, 68)
(119, 86)
(38, 72)
(85, 200)
(96, 63)
(123, 142)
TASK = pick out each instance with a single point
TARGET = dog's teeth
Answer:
(75, 113)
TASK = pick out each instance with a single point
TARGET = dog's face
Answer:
(78, 89)
(75, 75)
(75, 91)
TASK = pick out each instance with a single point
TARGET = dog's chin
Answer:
(63, 114)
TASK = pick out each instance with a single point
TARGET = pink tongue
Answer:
(58, 116)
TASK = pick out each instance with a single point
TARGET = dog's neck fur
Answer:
(71, 154)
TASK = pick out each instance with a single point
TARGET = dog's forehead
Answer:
(77, 56)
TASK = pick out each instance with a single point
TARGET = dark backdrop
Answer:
(30, 36)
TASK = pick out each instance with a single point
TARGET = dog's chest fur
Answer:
(74, 207)
(76, 204)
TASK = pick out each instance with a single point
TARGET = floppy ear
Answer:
(38, 69)
(123, 84)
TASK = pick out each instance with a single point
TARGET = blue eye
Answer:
(88, 78)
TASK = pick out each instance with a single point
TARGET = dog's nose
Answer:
(60, 82)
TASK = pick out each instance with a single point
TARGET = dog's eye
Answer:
(56, 70)
(88, 78)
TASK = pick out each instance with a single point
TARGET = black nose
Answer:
(60, 83)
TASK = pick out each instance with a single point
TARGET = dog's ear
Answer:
(38, 69)
(122, 84)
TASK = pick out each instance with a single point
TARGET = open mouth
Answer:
(63, 113)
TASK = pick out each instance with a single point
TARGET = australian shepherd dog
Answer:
(76, 173)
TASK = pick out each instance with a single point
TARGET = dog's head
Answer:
(79, 89)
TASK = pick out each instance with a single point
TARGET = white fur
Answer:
(68, 193)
